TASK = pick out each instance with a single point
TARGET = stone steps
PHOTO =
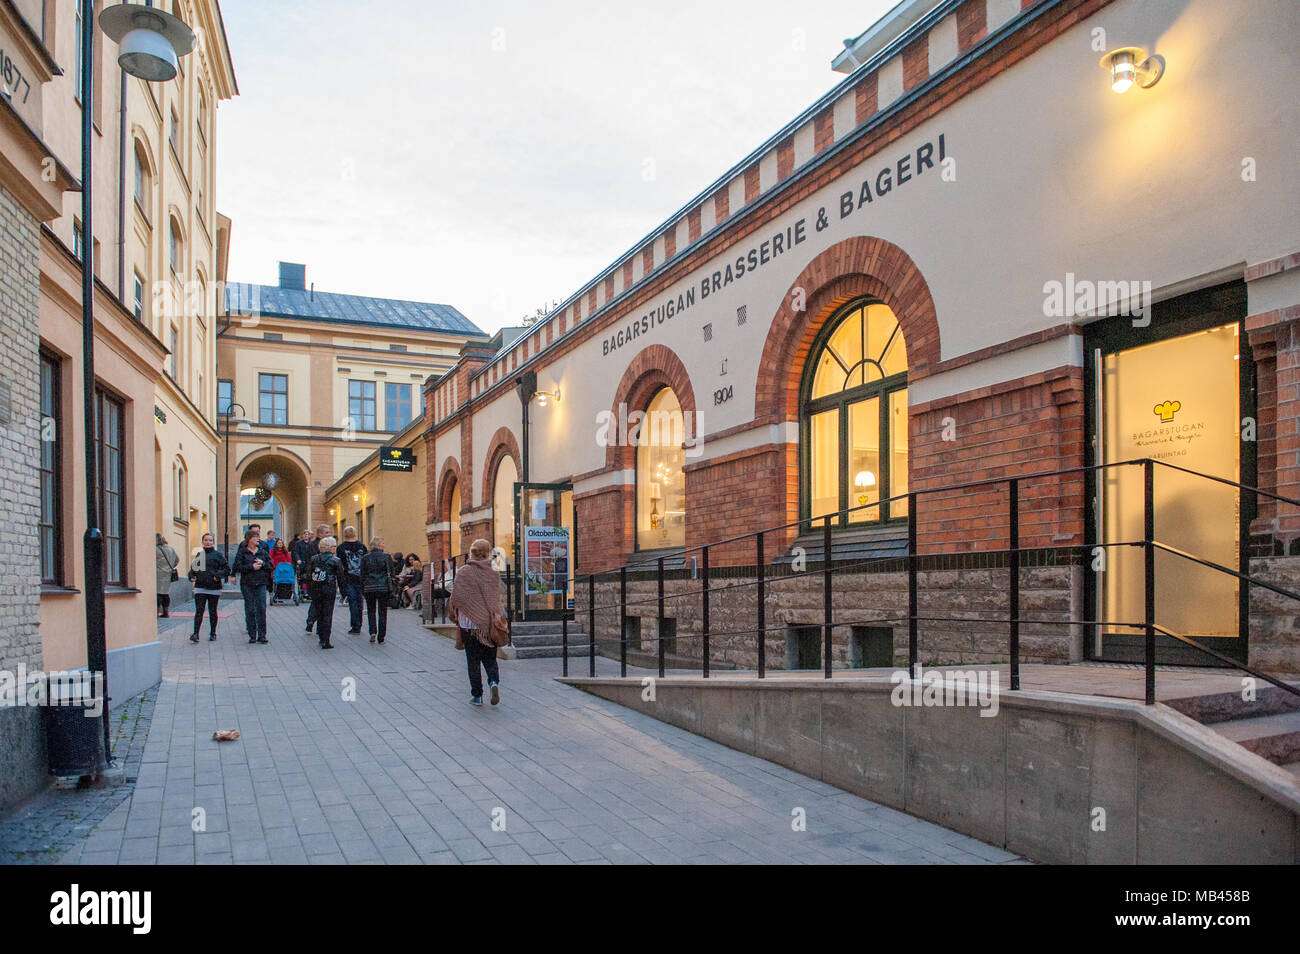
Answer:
(1268, 725)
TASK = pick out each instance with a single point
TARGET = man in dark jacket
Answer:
(350, 553)
(326, 574)
(313, 548)
(377, 582)
(253, 565)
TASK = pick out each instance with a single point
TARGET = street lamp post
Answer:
(225, 517)
(150, 42)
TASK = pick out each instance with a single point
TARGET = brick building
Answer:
(972, 260)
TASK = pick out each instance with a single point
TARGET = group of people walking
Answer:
(363, 576)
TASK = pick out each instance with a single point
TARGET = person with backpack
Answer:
(377, 582)
(313, 548)
(252, 563)
(208, 573)
(351, 551)
(326, 574)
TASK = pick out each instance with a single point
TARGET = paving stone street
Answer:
(409, 772)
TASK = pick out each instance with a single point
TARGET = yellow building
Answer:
(173, 263)
(384, 495)
(154, 391)
(316, 382)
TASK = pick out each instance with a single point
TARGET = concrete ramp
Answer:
(1057, 777)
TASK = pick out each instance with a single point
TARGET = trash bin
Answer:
(74, 732)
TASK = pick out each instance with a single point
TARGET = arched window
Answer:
(175, 247)
(503, 507)
(453, 520)
(180, 491)
(853, 417)
(143, 178)
(660, 482)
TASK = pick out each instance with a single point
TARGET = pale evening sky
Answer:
(496, 156)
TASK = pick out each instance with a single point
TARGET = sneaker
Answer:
(252, 639)
(327, 646)
(262, 639)
(476, 701)
(354, 632)
(496, 694)
(381, 640)
(308, 628)
(372, 637)
(194, 638)
(212, 638)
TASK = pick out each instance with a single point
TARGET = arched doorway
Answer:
(272, 491)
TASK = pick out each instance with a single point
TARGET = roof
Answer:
(272, 300)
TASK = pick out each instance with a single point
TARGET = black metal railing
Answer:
(1014, 554)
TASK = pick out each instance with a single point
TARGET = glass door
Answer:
(543, 550)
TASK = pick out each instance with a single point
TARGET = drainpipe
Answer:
(121, 195)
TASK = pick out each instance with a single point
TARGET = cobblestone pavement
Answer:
(43, 828)
(409, 772)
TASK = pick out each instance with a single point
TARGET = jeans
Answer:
(476, 654)
(200, 601)
(377, 602)
(255, 610)
(355, 602)
(322, 605)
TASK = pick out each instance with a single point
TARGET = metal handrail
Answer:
(912, 559)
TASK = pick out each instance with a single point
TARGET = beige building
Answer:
(315, 383)
(151, 400)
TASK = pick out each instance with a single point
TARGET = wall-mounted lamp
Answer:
(356, 497)
(1130, 65)
(862, 481)
(547, 397)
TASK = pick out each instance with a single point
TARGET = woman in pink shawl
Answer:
(475, 604)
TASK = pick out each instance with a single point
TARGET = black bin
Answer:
(74, 737)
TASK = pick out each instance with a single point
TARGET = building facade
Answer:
(970, 261)
(315, 382)
(384, 494)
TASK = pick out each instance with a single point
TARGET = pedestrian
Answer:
(476, 606)
(208, 573)
(411, 578)
(313, 548)
(327, 574)
(280, 553)
(301, 556)
(377, 582)
(167, 561)
(350, 553)
(254, 572)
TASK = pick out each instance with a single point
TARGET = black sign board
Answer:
(397, 458)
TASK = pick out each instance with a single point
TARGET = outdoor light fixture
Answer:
(150, 40)
(543, 397)
(862, 481)
(1130, 65)
(356, 497)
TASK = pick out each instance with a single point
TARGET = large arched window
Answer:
(660, 483)
(853, 417)
(503, 507)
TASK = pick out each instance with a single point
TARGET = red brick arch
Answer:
(449, 477)
(499, 445)
(656, 366)
(850, 269)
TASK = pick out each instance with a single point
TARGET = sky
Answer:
(496, 156)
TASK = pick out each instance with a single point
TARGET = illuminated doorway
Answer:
(1174, 391)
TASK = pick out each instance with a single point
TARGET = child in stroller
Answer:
(284, 584)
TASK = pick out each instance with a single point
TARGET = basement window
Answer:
(871, 646)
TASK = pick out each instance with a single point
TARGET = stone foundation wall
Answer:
(1274, 618)
(978, 598)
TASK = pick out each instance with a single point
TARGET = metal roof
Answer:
(245, 298)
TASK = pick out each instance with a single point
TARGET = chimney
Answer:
(293, 276)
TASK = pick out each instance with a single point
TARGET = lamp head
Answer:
(1130, 66)
(150, 41)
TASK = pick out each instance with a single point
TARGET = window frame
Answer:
(389, 402)
(221, 412)
(115, 546)
(636, 477)
(841, 402)
(358, 418)
(51, 476)
(273, 392)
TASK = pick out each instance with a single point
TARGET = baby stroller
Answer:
(284, 584)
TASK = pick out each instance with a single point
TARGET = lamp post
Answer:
(150, 41)
(225, 516)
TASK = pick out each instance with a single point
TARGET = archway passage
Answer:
(285, 497)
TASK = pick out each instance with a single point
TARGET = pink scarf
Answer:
(476, 592)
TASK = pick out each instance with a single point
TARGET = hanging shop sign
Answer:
(397, 458)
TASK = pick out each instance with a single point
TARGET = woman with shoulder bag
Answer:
(208, 572)
(166, 559)
(377, 587)
(476, 607)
